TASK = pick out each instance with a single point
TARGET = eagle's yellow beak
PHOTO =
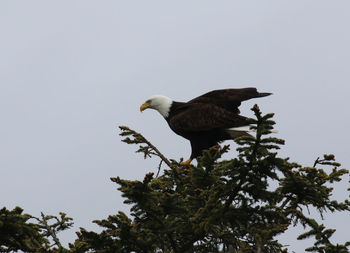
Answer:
(144, 106)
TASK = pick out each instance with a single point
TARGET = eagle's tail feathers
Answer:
(235, 134)
(233, 131)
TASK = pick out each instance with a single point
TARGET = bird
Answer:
(206, 120)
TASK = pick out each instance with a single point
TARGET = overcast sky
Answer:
(72, 71)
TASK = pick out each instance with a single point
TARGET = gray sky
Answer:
(72, 71)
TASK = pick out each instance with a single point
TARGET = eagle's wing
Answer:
(205, 117)
(229, 99)
(232, 95)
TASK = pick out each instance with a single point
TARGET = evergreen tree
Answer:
(237, 205)
(27, 233)
(221, 206)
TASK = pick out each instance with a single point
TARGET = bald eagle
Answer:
(205, 120)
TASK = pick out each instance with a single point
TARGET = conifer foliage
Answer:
(237, 205)
(216, 205)
(27, 233)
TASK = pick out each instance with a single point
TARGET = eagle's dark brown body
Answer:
(204, 120)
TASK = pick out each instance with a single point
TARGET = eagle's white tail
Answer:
(234, 131)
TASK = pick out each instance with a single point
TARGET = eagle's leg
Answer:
(186, 163)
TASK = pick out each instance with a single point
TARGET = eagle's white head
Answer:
(158, 102)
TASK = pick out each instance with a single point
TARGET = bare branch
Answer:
(159, 166)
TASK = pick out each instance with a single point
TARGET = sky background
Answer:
(71, 72)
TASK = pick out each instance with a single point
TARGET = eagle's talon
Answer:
(186, 163)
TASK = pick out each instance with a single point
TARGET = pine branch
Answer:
(51, 230)
(138, 138)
